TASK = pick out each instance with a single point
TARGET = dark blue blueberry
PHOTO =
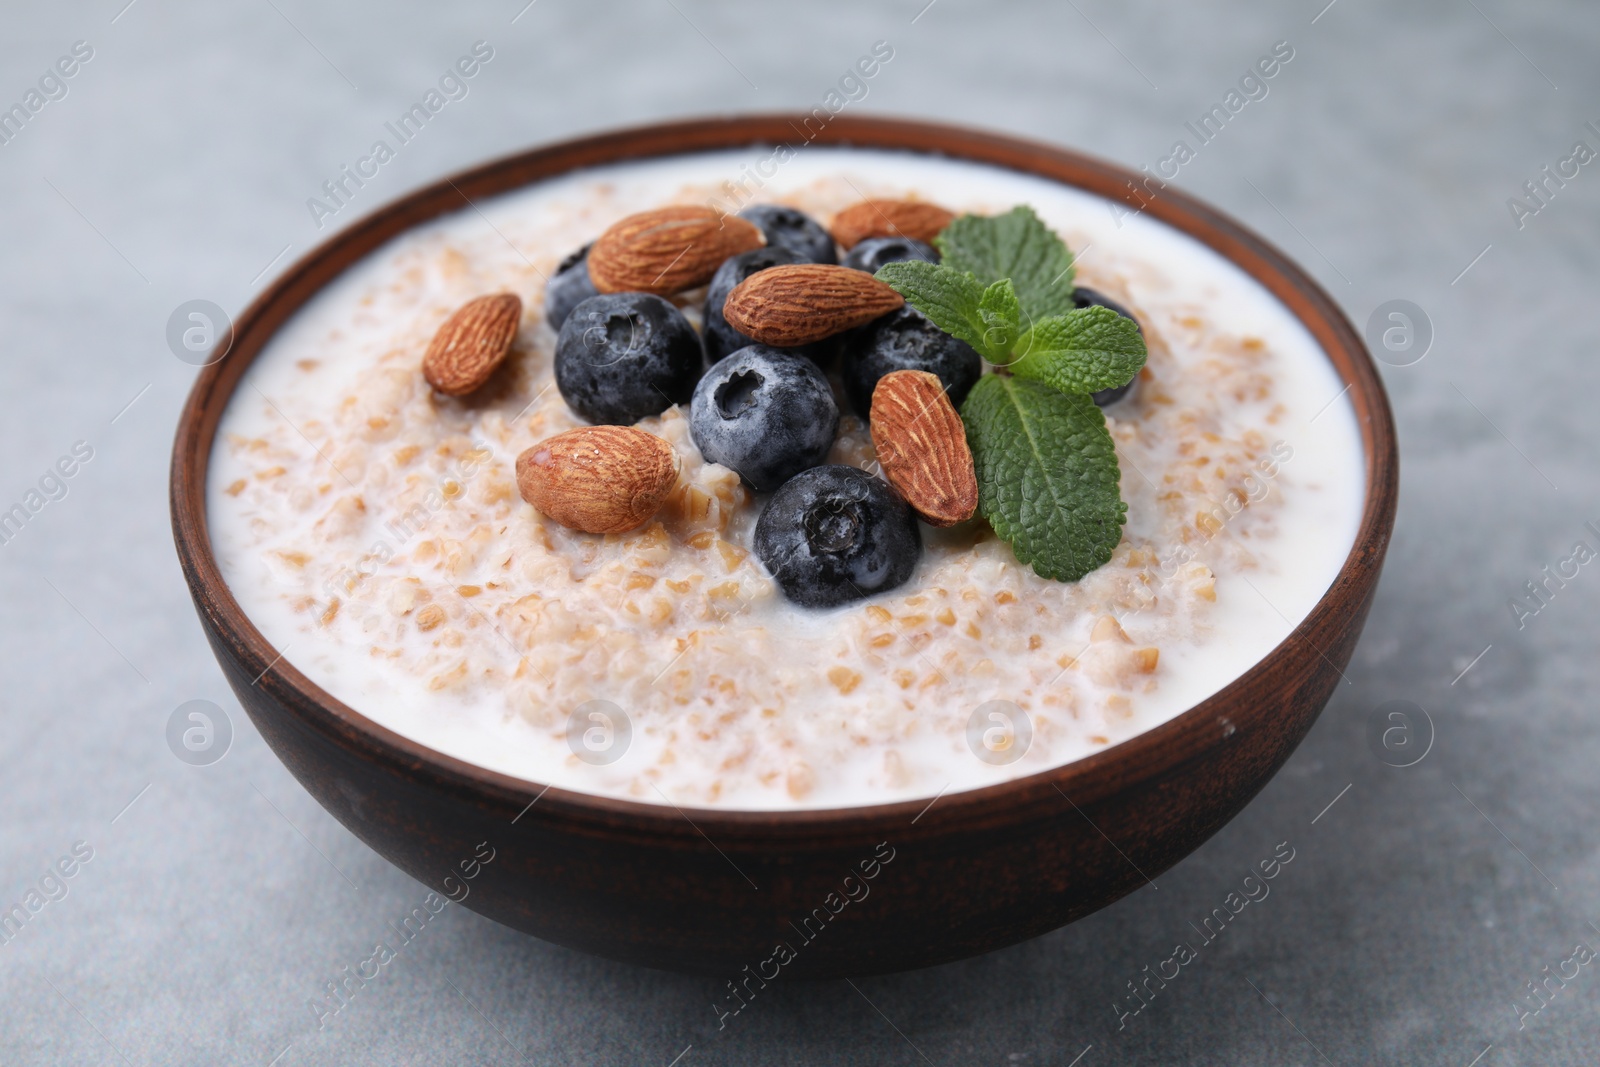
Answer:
(906, 340)
(795, 230)
(766, 413)
(569, 288)
(1086, 298)
(874, 252)
(723, 340)
(835, 534)
(624, 356)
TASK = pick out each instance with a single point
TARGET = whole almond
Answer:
(916, 219)
(668, 250)
(472, 343)
(598, 479)
(798, 303)
(922, 446)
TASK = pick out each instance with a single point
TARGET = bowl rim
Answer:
(1144, 756)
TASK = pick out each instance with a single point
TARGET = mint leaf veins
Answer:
(1016, 245)
(1048, 479)
(1047, 474)
(1088, 350)
(986, 317)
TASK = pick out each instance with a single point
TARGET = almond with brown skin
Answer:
(922, 447)
(668, 250)
(798, 303)
(472, 343)
(916, 219)
(598, 479)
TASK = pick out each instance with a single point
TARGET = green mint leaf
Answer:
(1082, 351)
(1002, 319)
(1047, 474)
(1016, 245)
(953, 301)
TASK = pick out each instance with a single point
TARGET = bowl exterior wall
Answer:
(950, 888)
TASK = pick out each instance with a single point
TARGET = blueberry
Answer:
(569, 288)
(624, 356)
(795, 230)
(874, 252)
(766, 413)
(906, 340)
(1085, 298)
(723, 340)
(835, 534)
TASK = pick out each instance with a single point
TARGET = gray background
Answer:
(1417, 906)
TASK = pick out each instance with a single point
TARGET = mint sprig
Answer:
(1047, 467)
(1047, 474)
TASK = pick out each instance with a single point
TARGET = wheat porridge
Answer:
(379, 532)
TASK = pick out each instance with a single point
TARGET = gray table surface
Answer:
(219, 899)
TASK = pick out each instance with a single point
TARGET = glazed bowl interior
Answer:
(1246, 729)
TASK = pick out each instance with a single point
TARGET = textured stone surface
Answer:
(1416, 908)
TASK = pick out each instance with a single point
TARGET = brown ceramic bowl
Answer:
(712, 891)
